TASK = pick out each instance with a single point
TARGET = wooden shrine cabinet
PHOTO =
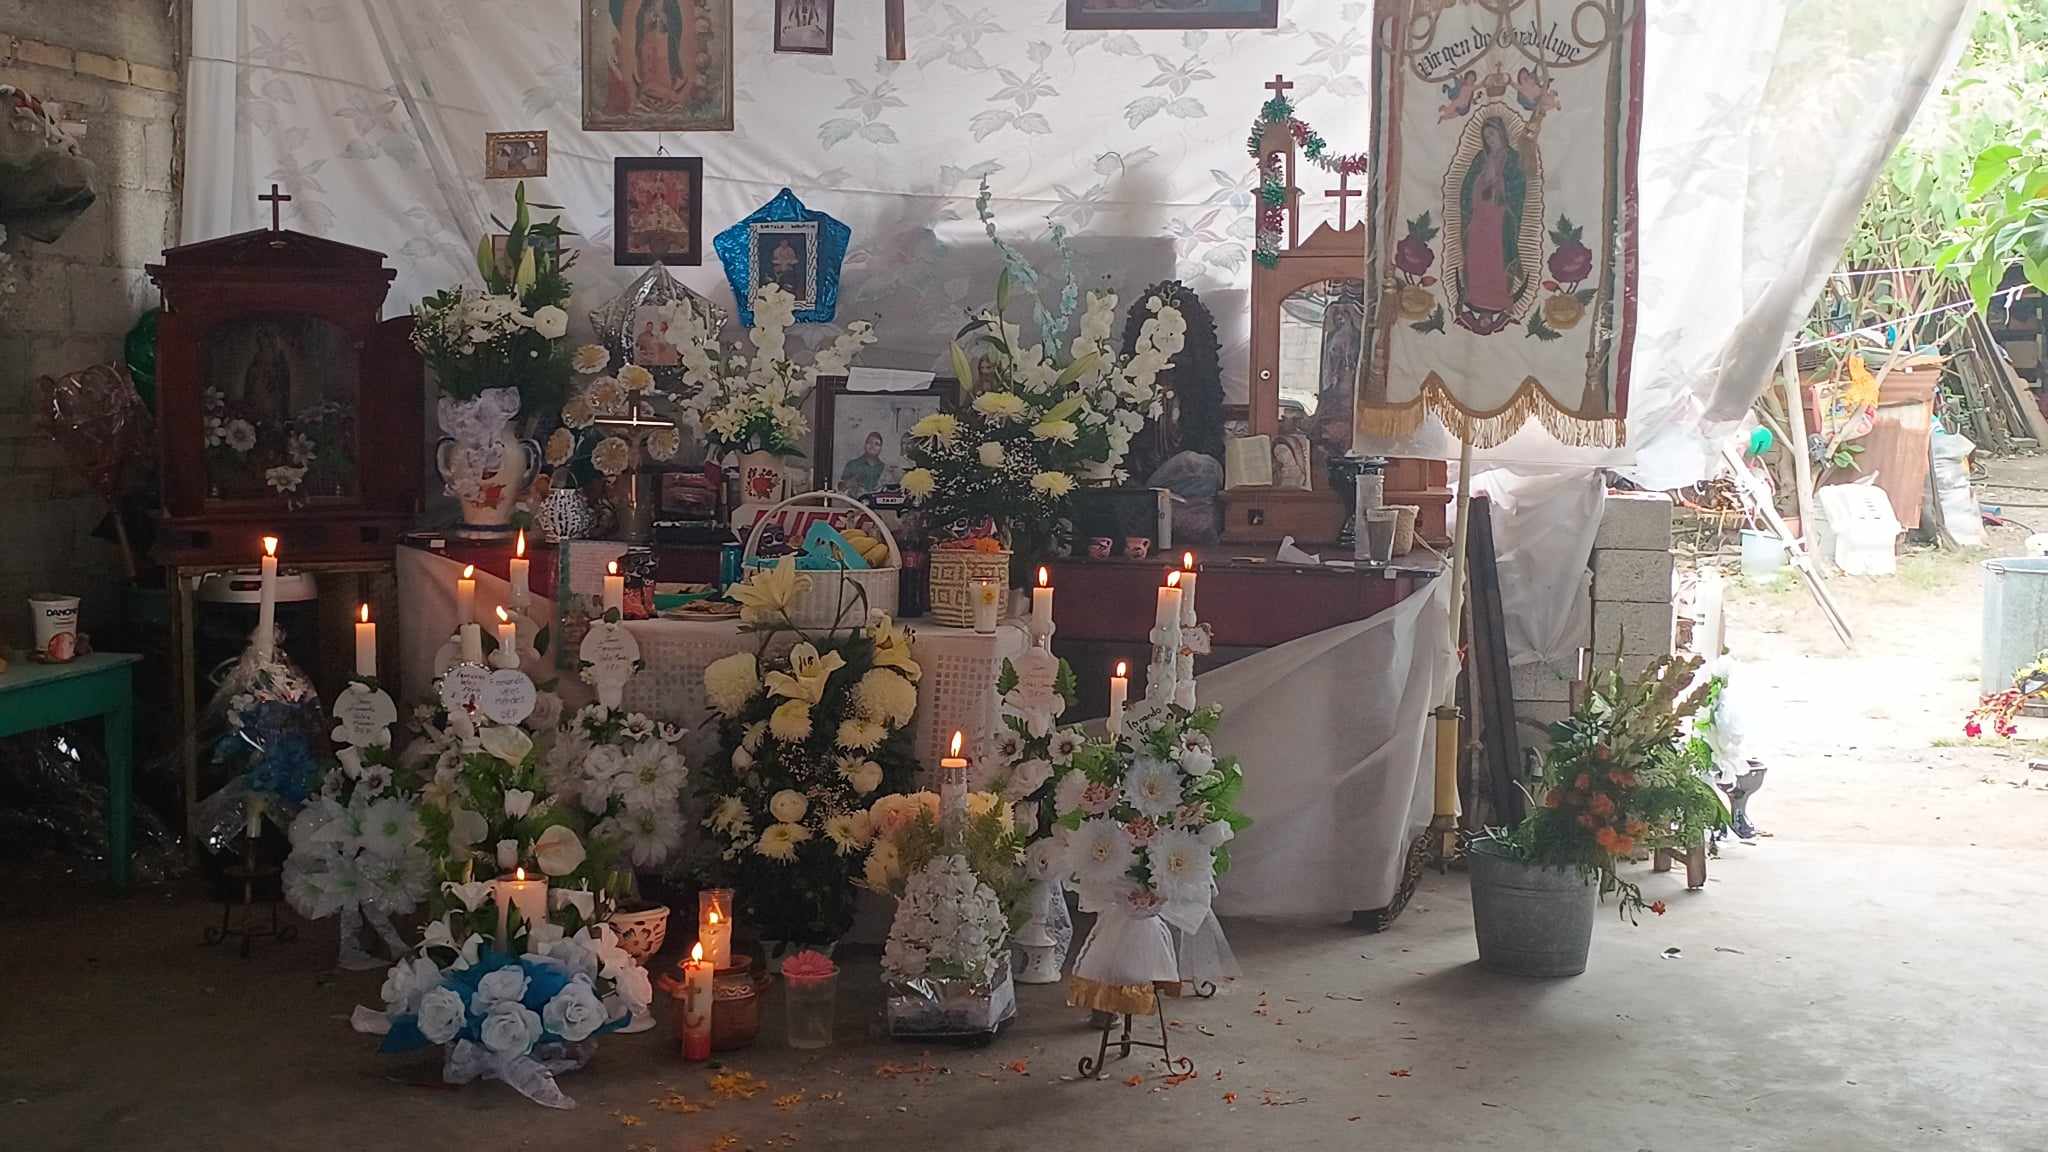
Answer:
(285, 405)
(1307, 323)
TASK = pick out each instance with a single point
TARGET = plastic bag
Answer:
(1952, 485)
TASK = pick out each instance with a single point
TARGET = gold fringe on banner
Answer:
(1490, 429)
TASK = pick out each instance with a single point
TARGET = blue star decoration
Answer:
(806, 249)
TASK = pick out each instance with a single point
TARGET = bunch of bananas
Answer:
(872, 550)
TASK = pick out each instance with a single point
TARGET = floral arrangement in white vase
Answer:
(626, 771)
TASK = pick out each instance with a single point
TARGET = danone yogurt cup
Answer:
(56, 625)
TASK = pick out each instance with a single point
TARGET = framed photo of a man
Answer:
(786, 254)
(863, 438)
(657, 65)
(803, 26)
(658, 210)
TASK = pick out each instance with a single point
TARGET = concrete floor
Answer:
(1866, 979)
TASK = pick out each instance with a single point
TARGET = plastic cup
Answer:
(810, 999)
(56, 625)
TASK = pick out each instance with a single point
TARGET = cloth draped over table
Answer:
(1501, 215)
(1336, 739)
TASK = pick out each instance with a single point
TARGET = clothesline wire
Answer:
(2005, 297)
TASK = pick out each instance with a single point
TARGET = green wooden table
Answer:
(34, 696)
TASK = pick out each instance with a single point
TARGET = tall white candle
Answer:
(266, 604)
(508, 641)
(953, 786)
(1188, 576)
(521, 575)
(1168, 614)
(1119, 691)
(472, 643)
(1041, 605)
(366, 644)
(465, 595)
(614, 589)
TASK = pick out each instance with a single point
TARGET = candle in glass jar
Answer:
(521, 575)
(953, 783)
(1119, 691)
(1188, 576)
(465, 595)
(1041, 605)
(529, 896)
(266, 603)
(614, 589)
(714, 925)
(987, 600)
(508, 641)
(366, 644)
(697, 974)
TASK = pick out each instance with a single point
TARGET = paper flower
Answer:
(779, 841)
(788, 806)
(389, 827)
(1063, 744)
(664, 443)
(441, 1015)
(551, 322)
(498, 985)
(590, 359)
(576, 413)
(561, 446)
(241, 435)
(1182, 866)
(558, 851)
(1028, 777)
(612, 455)
(1101, 851)
(634, 378)
(1067, 794)
(1153, 787)
(1218, 834)
(575, 1013)
(509, 1028)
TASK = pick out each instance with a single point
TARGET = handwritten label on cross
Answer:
(275, 199)
(1279, 84)
(1343, 193)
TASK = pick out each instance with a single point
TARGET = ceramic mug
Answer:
(1099, 547)
(1137, 547)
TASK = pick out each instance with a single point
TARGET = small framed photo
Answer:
(785, 252)
(803, 26)
(658, 210)
(515, 155)
(863, 438)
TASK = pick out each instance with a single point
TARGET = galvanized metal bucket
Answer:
(1530, 921)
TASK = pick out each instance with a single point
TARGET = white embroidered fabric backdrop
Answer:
(371, 113)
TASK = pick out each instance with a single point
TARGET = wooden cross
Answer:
(1279, 84)
(892, 37)
(1343, 193)
(274, 199)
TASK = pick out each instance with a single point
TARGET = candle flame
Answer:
(502, 618)
(715, 918)
(611, 567)
(270, 545)
(1173, 579)
(469, 571)
(1043, 578)
(519, 549)
(1122, 669)
(363, 613)
(519, 874)
(697, 953)
(956, 743)
(1187, 561)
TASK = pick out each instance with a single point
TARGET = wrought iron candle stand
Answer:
(1093, 1067)
(249, 872)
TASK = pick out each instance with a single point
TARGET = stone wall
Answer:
(114, 65)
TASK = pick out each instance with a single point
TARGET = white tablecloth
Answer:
(957, 690)
(1336, 739)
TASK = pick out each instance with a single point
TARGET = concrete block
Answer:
(1636, 575)
(151, 77)
(1632, 629)
(50, 355)
(1635, 520)
(107, 299)
(42, 54)
(42, 303)
(1537, 683)
(1534, 721)
(117, 146)
(157, 156)
(142, 226)
(105, 67)
(141, 103)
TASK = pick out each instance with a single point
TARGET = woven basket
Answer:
(1404, 528)
(955, 572)
(834, 596)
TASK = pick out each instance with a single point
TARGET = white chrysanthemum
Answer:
(1153, 787)
(730, 682)
(1182, 866)
(865, 735)
(791, 722)
(1101, 851)
(1067, 794)
(883, 695)
(1001, 406)
(1054, 484)
(730, 813)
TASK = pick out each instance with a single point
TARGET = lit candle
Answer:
(614, 589)
(266, 604)
(714, 925)
(508, 641)
(697, 973)
(953, 784)
(366, 644)
(529, 896)
(987, 600)
(465, 595)
(521, 575)
(1041, 605)
(472, 643)
(1188, 576)
(1119, 691)
(1168, 615)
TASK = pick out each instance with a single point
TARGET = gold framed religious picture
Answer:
(804, 26)
(657, 65)
(515, 155)
(784, 252)
(658, 210)
(1095, 15)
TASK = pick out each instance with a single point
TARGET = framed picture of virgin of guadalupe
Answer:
(657, 65)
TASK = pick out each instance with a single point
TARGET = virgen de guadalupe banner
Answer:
(1502, 201)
